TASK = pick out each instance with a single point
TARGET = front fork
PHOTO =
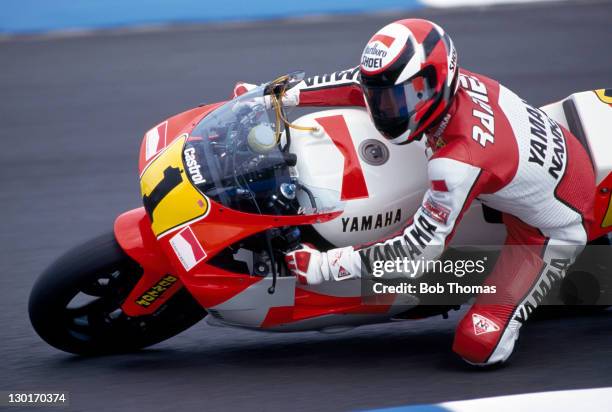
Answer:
(157, 284)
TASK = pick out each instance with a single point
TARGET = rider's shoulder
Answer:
(469, 79)
(456, 149)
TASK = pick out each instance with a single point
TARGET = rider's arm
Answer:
(453, 187)
(340, 88)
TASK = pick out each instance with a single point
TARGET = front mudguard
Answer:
(157, 284)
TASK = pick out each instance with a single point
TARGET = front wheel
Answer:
(75, 305)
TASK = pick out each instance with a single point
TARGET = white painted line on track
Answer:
(591, 400)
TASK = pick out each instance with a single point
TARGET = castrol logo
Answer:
(384, 48)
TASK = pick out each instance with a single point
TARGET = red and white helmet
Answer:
(409, 76)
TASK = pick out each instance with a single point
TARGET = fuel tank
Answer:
(348, 165)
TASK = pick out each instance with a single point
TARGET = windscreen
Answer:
(237, 157)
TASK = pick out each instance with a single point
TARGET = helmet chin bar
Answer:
(403, 138)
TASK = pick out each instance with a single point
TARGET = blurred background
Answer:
(82, 81)
(36, 16)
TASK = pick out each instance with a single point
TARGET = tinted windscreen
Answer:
(234, 156)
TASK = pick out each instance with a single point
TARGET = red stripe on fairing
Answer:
(384, 39)
(439, 185)
(309, 304)
(189, 236)
(353, 182)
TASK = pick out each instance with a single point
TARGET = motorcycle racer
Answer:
(488, 144)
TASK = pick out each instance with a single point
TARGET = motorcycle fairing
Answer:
(133, 233)
(602, 209)
(300, 308)
(210, 285)
(174, 202)
(156, 139)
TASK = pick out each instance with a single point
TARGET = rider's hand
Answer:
(312, 267)
(291, 97)
(305, 264)
(241, 88)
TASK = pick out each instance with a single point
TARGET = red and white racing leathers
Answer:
(513, 158)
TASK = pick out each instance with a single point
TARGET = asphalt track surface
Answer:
(72, 113)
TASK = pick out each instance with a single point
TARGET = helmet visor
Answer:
(393, 108)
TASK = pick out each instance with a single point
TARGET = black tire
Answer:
(100, 270)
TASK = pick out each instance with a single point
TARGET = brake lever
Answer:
(272, 288)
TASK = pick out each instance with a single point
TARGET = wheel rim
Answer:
(101, 316)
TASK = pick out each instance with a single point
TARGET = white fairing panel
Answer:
(394, 189)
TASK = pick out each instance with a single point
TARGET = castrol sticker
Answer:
(384, 48)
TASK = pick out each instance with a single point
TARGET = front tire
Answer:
(101, 274)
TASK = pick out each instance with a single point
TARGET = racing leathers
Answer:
(492, 146)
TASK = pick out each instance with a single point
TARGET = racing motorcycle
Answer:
(227, 188)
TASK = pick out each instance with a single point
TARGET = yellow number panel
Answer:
(605, 95)
(167, 194)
